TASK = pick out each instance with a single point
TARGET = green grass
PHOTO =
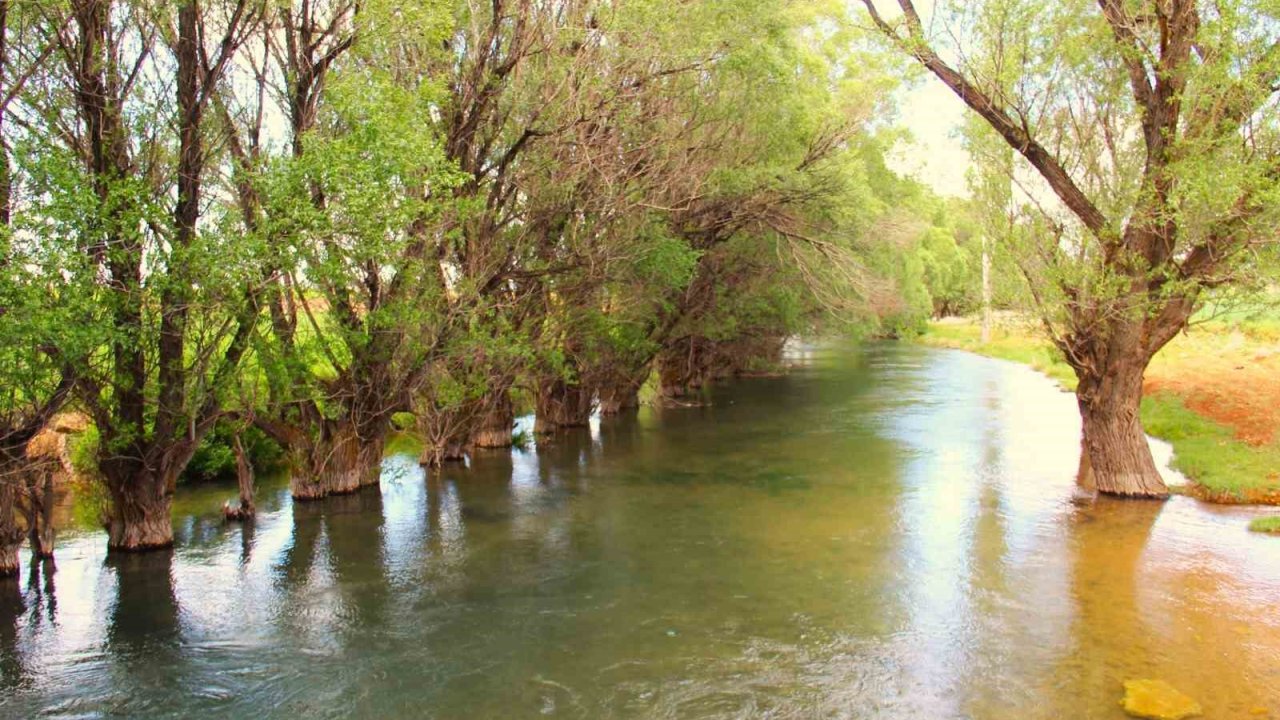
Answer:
(1256, 317)
(1208, 452)
(1205, 451)
(1020, 347)
(1269, 524)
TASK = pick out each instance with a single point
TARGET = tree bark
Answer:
(340, 463)
(139, 518)
(370, 460)
(245, 481)
(445, 434)
(494, 430)
(679, 373)
(10, 534)
(1115, 444)
(562, 404)
(40, 501)
(617, 397)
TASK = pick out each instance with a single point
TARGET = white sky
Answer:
(932, 113)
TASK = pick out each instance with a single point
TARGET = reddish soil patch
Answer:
(1252, 496)
(1228, 380)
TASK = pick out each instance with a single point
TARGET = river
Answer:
(885, 532)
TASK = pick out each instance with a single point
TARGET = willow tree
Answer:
(352, 212)
(38, 334)
(1151, 126)
(775, 201)
(37, 380)
(118, 124)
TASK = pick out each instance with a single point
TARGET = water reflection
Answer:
(885, 533)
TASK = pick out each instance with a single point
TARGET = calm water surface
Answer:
(885, 533)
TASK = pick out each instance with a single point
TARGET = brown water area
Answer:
(887, 532)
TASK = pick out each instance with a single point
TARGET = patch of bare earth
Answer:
(1226, 377)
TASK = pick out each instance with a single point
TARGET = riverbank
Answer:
(1213, 393)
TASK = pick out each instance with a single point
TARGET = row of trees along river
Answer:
(301, 223)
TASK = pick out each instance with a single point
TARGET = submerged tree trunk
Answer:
(496, 422)
(619, 396)
(339, 466)
(40, 500)
(245, 480)
(681, 371)
(10, 533)
(340, 463)
(445, 433)
(47, 464)
(370, 459)
(141, 500)
(1115, 444)
(562, 404)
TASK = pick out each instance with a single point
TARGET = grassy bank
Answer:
(1269, 524)
(1208, 394)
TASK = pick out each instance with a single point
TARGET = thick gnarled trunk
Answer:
(10, 533)
(496, 422)
(340, 463)
(450, 435)
(444, 437)
(444, 434)
(618, 397)
(1116, 449)
(681, 371)
(560, 405)
(139, 517)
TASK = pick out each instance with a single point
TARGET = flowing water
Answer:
(886, 532)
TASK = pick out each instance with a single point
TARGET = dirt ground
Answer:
(1225, 376)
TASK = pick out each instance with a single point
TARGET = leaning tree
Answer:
(1147, 133)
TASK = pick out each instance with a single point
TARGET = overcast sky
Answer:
(935, 157)
(933, 114)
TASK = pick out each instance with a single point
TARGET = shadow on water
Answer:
(13, 668)
(144, 619)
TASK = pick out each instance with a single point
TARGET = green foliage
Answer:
(950, 274)
(82, 447)
(215, 458)
(521, 439)
(470, 206)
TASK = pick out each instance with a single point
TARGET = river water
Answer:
(886, 532)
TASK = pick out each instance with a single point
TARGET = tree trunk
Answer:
(444, 435)
(139, 518)
(40, 531)
(619, 396)
(561, 405)
(370, 460)
(304, 482)
(340, 463)
(673, 376)
(1114, 441)
(10, 534)
(496, 423)
(244, 479)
